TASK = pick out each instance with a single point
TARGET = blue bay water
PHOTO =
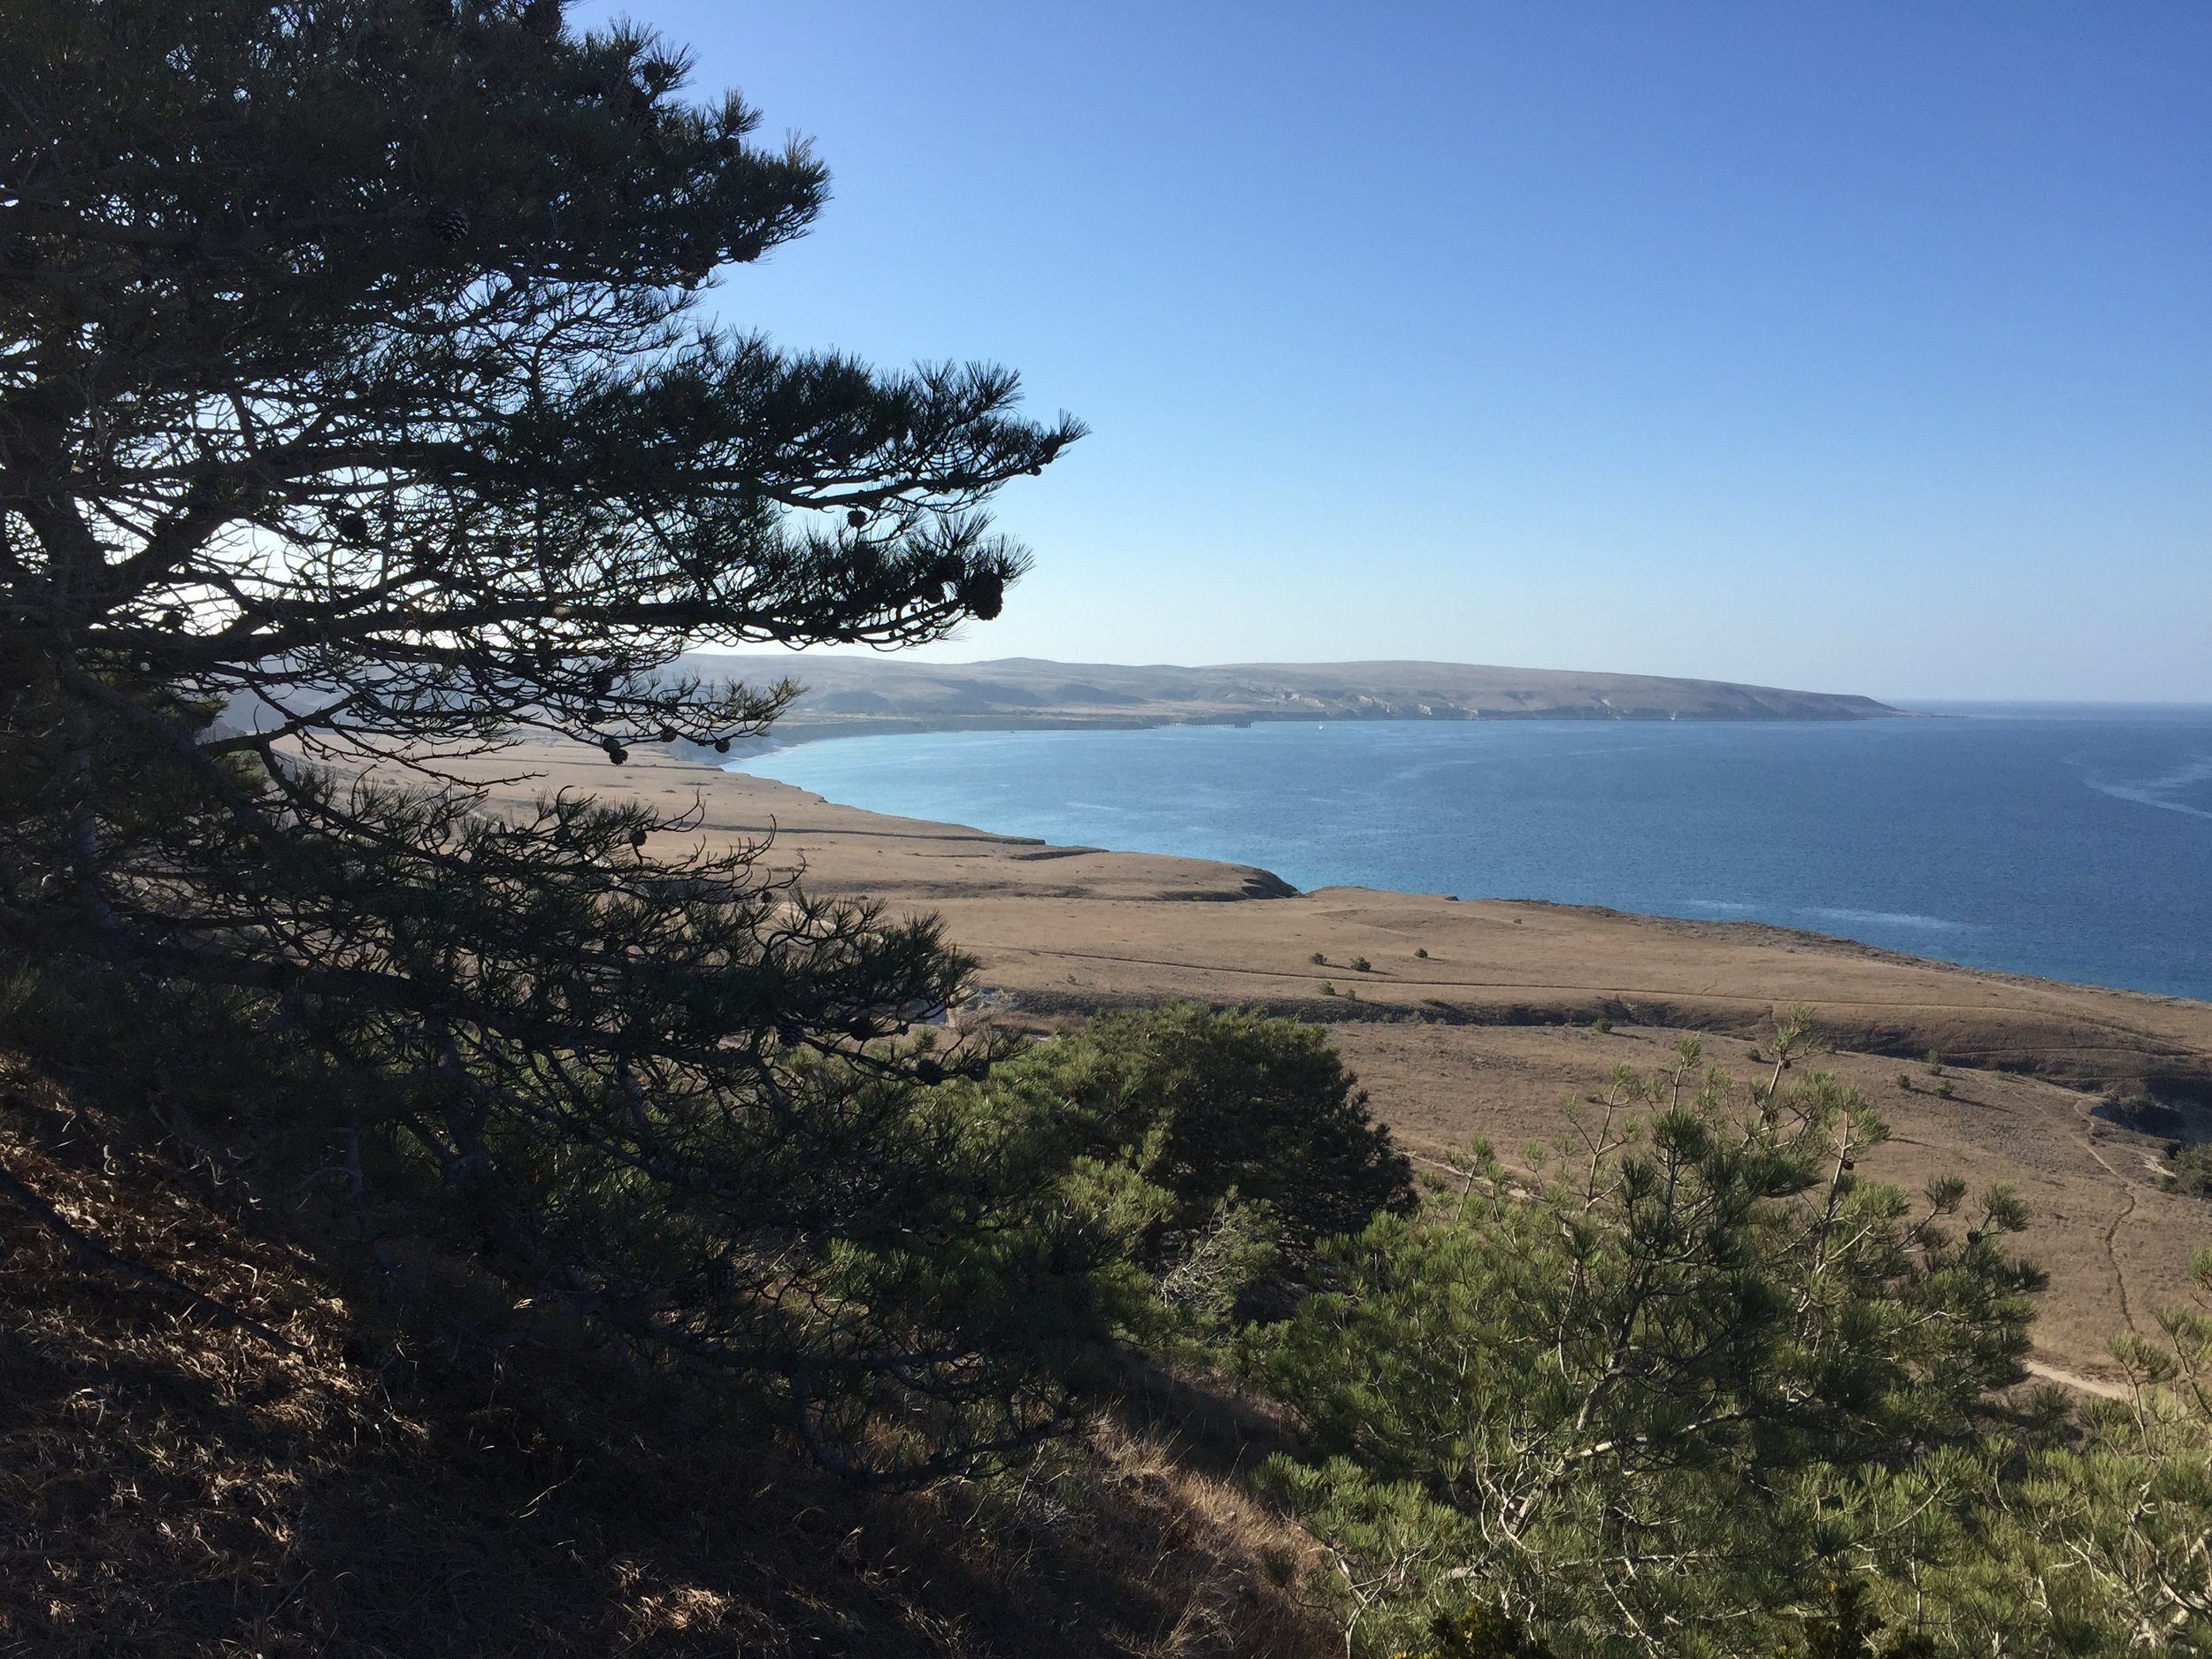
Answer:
(2071, 842)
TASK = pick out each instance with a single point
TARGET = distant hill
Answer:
(887, 694)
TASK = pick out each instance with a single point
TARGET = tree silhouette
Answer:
(354, 389)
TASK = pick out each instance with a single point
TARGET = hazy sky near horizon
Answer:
(1860, 347)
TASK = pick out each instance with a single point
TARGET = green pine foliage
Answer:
(1243, 1106)
(2094, 1542)
(1478, 1632)
(1689, 1385)
(1642, 1397)
(2189, 1170)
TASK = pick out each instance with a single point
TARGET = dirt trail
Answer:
(2075, 1380)
(2128, 1188)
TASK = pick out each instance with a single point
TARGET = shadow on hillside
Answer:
(2187, 1121)
(172, 1485)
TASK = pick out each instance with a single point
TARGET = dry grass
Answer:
(173, 1484)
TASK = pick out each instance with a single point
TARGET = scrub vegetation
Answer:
(436, 1231)
(1681, 1383)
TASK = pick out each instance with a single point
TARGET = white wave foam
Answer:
(2158, 792)
(1891, 919)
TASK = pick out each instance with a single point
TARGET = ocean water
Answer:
(2072, 842)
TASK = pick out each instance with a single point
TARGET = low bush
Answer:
(917, 1279)
(2189, 1170)
(1653, 1387)
(1690, 1386)
(1219, 1107)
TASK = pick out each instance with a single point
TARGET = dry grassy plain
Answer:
(1492, 1032)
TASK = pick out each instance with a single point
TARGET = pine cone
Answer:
(983, 593)
(450, 225)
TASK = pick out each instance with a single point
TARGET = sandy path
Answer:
(2078, 1382)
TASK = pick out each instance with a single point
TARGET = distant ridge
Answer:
(855, 695)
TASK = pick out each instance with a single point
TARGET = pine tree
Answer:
(1644, 1401)
(353, 388)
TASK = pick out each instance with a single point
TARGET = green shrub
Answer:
(919, 1279)
(2189, 1170)
(1234, 1104)
(1478, 1632)
(1360, 964)
(1651, 1387)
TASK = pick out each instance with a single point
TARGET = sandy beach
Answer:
(1494, 1029)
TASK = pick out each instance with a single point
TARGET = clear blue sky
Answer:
(1858, 346)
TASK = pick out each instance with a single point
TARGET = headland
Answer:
(855, 695)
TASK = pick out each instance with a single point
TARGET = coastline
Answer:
(1479, 1018)
(1880, 833)
(794, 730)
(1232, 878)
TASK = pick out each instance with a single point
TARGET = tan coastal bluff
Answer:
(1489, 1018)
